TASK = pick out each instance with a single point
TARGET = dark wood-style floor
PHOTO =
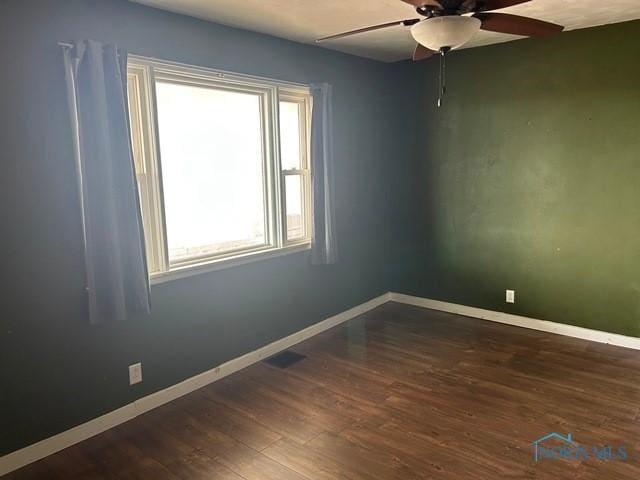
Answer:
(399, 393)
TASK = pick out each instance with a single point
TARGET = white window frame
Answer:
(304, 171)
(142, 74)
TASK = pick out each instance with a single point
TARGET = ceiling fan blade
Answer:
(421, 53)
(486, 5)
(406, 23)
(424, 3)
(517, 25)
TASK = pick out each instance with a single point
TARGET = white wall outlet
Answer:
(135, 373)
(511, 296)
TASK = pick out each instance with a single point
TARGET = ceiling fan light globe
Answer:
(447, 31)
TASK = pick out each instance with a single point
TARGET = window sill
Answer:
(224, 263)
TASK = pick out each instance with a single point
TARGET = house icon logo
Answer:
(537, 447)
(554, 446)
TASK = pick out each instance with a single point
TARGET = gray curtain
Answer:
(324, 248)
(117, 279)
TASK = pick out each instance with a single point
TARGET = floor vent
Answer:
(285, 359)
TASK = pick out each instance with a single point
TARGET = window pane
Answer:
(212, 168)
(295, 219)
(290, 135)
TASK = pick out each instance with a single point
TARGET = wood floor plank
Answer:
(232, 422)
(321, 401)
(196, 433)
(286, 420)
(312, 463)
(252, 465)
(372, 462)
(397, 393)
(197, 466)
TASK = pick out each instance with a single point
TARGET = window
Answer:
(222, 164)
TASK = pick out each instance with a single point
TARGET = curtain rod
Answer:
(223, 72)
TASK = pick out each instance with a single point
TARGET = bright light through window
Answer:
(295, 221)
(290, 142)
(212, 163)
(206, 147)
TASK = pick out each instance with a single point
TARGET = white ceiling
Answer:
(305, 20)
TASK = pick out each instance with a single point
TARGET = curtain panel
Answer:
(324, 246)
(117, 279)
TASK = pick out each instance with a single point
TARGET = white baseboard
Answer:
(51, 445)
(520, 321)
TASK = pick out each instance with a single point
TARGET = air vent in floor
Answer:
(284, 359)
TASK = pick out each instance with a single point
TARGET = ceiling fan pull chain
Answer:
(443, 75)
(440, 86)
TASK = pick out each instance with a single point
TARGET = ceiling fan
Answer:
(449, 24)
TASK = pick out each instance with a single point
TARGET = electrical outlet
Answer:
(511, 296)
(135, 373)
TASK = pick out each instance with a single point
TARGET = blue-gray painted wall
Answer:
(56, 370)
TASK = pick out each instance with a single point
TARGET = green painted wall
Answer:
(529, 179)
(56, 370)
